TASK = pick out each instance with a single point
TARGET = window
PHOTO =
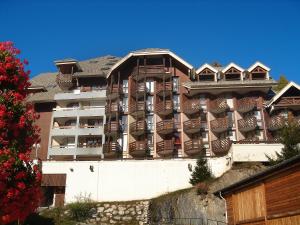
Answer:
(125, 104)
(231, 135)
(125, 86)
(177, 120)
(150, 123)
(176, 100)
(176, 84)
(150, 105)
(150, 140)
(150, 86)
(124, 123)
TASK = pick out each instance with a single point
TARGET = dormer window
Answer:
(232, 74)
(258, 71)
(258, 74)
(206, 73)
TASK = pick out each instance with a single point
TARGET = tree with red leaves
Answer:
(19, 177)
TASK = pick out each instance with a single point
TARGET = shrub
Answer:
(81, 211)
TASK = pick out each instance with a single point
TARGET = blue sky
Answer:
(198, 31)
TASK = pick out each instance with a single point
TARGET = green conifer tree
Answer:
(201, 172)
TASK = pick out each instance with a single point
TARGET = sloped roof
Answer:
(206, 65)
(259, 177)
(92, 67)
(282, 91)
(149, 51)
(48, 81)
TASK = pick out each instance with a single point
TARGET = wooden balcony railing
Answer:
(111, 149)
(191, 106)
(218, 105)
(192, 126)
(138, 127)
(164, 108)
(112, 108)
(247, 124)
(165, 147)
(164, 88)
(297, 120)
(221, 146)
(289, 101)
(165, 127)
(138, 148)
(193, 147)
(138, 90)
(65, 81)
(112, 128)
(220, 124)
(276, 123)
(149, 71)
(246, 104)
(113, 91)
(137, 109)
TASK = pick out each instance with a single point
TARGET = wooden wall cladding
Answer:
(255, 223)
(283, 194)
(229, 207)
(249, 204)
(293, 220)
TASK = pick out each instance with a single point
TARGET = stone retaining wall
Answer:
(133, 213)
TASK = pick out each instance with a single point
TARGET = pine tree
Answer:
(290, 138)
(201, 172)
(282, 82)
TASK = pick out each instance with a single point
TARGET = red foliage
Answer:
(19, 178)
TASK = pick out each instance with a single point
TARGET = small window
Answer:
(150, 86)
(150, 123)
(176, 84)
(125, 86)
(150, 105)
(176, 101)
(125, 104)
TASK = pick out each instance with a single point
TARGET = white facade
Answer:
(254, 152)
(127, 180)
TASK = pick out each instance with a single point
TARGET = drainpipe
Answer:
(226, 218)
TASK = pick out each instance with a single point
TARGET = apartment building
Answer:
(153, 104)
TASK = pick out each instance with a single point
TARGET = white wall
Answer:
(254, 152)
(127, 180)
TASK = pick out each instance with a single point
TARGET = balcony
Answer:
(289, 101)
(218, 105)
(165, 127)
(142, 72)
(276, 123)
(112, 109)
(193, 147)
(138, 128)
(247, 124)
(164, 89)
(165, 148)
(78, 111)
(164, 108)
(138, 90)
(90, 130)
(113, 91)
(138, 148)
(67, 151)
(111, 149)
(221, 146)
(192, 126)
(246, 104)
(220, 125)
(81, 94)
(112, 128)
(297, 120)
(191, 107)
(137, 109)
